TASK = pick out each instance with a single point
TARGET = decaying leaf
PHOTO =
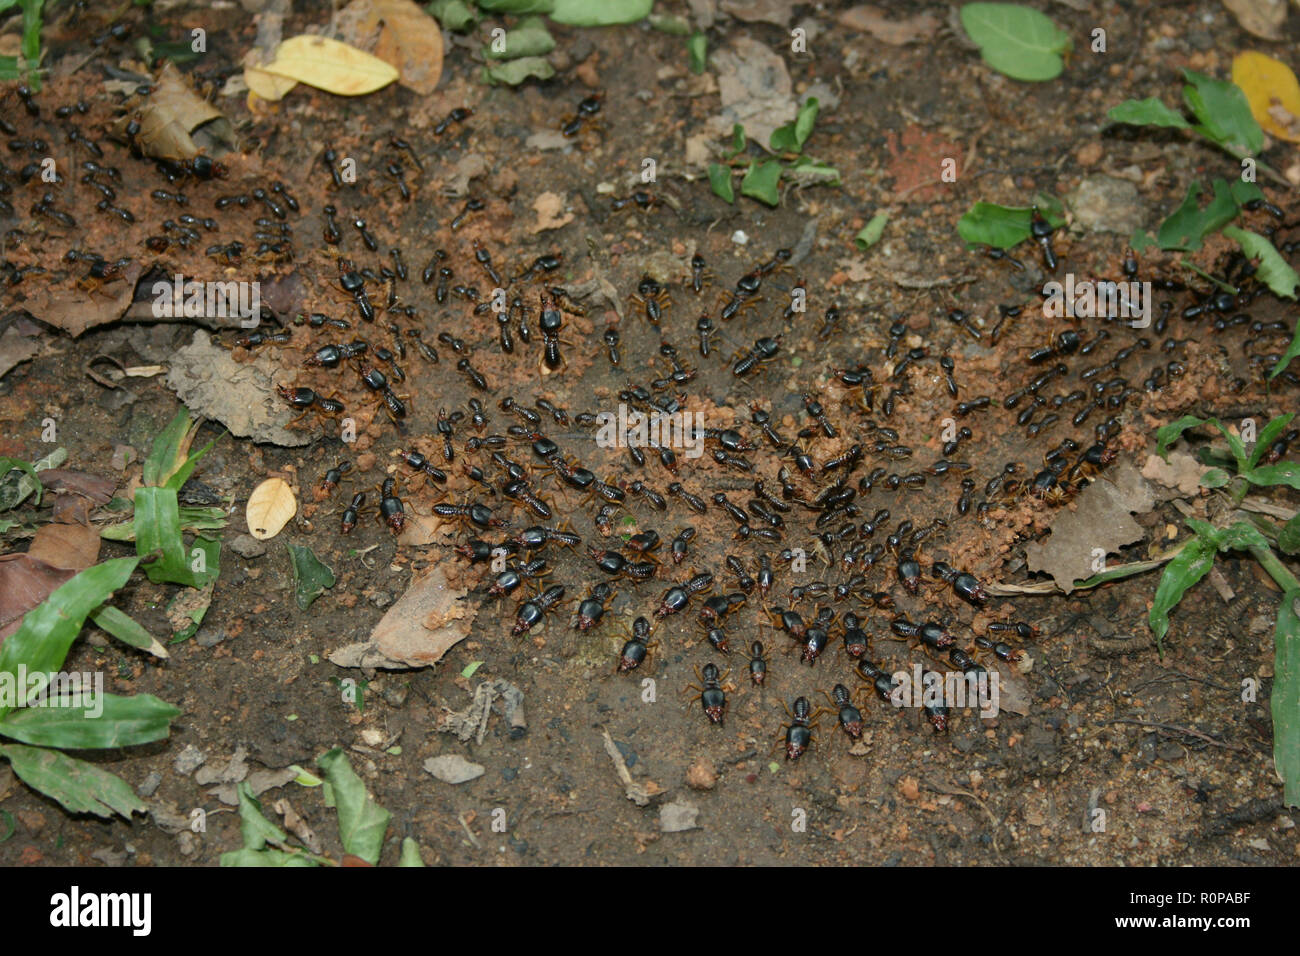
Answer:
(270, 507)
(869, 19)
(18, 343)
(331, 66)
(1102, 521)
(1272, 91)
(239, 395)
(426, 622)
(73, 309)
(24, 583)
(168, 117)
(1182, 472)
(399, 33)
(1263, 18)
(550, 213)
(755, 89)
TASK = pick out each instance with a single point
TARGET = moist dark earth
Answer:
(1164, 745)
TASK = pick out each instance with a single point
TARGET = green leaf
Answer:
(126, 629)
(791, 137)
(362, 822)
(1291, 352)
(1166, 435)
(514, 72)
(1141, 239)
(1224, 113)
(1285, 702)
(1147, 112)
(673, 26)
(697, 49)
(870, 234)
(1288, 538)
(1188, 226)
(120, 722)
(255, 828)
(311, 578)
(529, 38)
(720, 182)
(988, 224)
(517, 6)
(455, 15)
(1215, 478)
(49, 629)
(762, 182)
(1273, 270)
(1283, 473)
(252, 858)
(1017, 41)
(737, 140)
(1191, 564)
(600, 13)
(78, 786)
(17, 464)
(1241, 536)
(158, 532)
(9, 68)
(165, 455)
(471, 669)
(410, 854)
(1266, 436)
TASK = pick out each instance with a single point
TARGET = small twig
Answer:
(907, 282)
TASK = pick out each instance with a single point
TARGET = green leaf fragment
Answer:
(529, 38)
(362, 822)
(762, 182)
(720, 182)
(697, 50)
(1147, 112)
(514, 72)
(600, 13)
(1273, 270)
(1191, 564)
(1017, 41)
(78, 786)
(1223, 112)
(870, 234)
(1285, 702)
(311, 578)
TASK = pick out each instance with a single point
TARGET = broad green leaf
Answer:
(529, 38)
(514, 72)
(252, 858)
(471, 669)
(720, 182)
(1285, 702)
(255, 828)
(186, 468)
(127, 630)
(1242, 536)
(455, 15)
(49, 629)
(697, 50)
(1191, 564)
(1141, 239)
(362, 822)
(762, 182)
(1283, 473)
(870, 234)
(1223, 111)
(410, 854)
(158, 537)
(1166, 435)
(791, 137)
(1148, 112)
(193, 518)
(1189, 224)
(1215, 478)
(78, 786)
(988, 224)
(311, 578)
(1017, 41)
(1273, 270)
(517, 6)
(1267, 434)
(1288, 538)
(600, 13)
(123, 722)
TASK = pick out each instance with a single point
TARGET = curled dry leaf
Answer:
(270, 507)
(169, 115)
(331, 66)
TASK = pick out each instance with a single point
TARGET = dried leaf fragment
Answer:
(270, 507)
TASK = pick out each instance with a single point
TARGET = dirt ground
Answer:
(1165, 746)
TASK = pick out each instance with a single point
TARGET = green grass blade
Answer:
(1192, 564)
(124, 722)
(1285, 702)
(1266, 436)
(164, 456)
(79, 786)
(127, 630)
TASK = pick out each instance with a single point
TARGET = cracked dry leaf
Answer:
(237, 394)
(269, 508)
(1102, 519)
(1181, 472)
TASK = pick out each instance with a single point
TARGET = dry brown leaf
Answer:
(71, 547)
(1182, 471)
(331, 66)
(24, 583)
(168, 115)
(399, 33)
(270, 507)
(755, 89)
(1263, 18)
(549, 207)
(19, 343)
(426, 622)
(1102, 519)
(872, 20)
(74, 310)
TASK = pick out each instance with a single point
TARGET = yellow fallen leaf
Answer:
(400, 33)
(1272, 91)
(270, 507)
(330, 66)
(267, 85)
